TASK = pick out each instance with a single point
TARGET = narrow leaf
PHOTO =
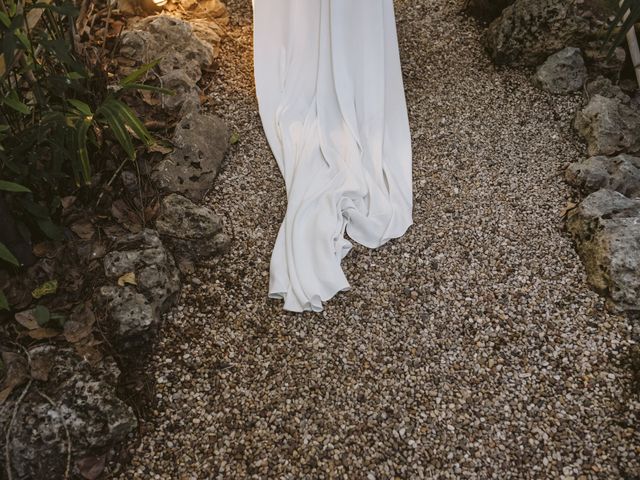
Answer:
(16, 105)
(131, 78)
(81, 106)
(7, 256)
(12, 187)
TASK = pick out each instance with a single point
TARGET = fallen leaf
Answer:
(46, 288)
(160, 148)
(16, 373)
(27, 319)
(67, 201)
(42, 333)
(83, 229)
(98, 250)
(86, 348)
(44, 249)
(568, 207)
(125, 216)
(91, 467)
(4, 394)
(150, 98)
(129, 278)
(79, 325)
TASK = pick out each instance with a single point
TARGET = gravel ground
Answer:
(470, 348)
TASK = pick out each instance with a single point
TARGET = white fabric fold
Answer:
(332, 105)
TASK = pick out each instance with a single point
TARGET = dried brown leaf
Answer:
(91, 467)
(80, 324)
(27, 319)
(42, 333)
(127, 278)
(83, 229)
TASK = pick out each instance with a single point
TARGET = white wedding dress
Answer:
(331, 101)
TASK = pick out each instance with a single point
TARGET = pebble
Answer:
(469, 348)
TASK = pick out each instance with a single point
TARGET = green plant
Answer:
(615, 38)
(57, 112)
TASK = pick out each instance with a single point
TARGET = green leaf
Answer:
(16, 104)
(633, 7)
(81, 106)
(24, 40)
(131, 78)
(234, 138)
(117, 126)
(133, 122)
(4, 303)
(7, 256)
(82, 128)
(13, 187)
(42, 314)
(50, 229)
(4, 18)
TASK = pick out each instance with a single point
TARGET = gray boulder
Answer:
(609, 125)
(563, 72)
(606, 229)
(621, 173)
(134, 319)
(144, 255)
(529, 31)
(185, 91)
(81, 398)
(201, 142)
(171, 40)
(194, 232)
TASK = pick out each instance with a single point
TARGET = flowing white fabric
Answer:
(331, 100)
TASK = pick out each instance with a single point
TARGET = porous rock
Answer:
(193, 231)
(528, 31)
(609, 125)
(171, 40)
(76, 398)
(606, 229)
(144, 255)
(620, 173)
(563, 72)
(201, 142)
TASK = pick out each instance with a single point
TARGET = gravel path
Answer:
(470, 348)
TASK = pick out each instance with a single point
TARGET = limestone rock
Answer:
(606, 229)
(134, 318)
(201, 142)
(193, 231)
(529, 31)
(144, 255)
(621, 173)
(82, 399)
(609, 125)
(171, 40)
(563, 72)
